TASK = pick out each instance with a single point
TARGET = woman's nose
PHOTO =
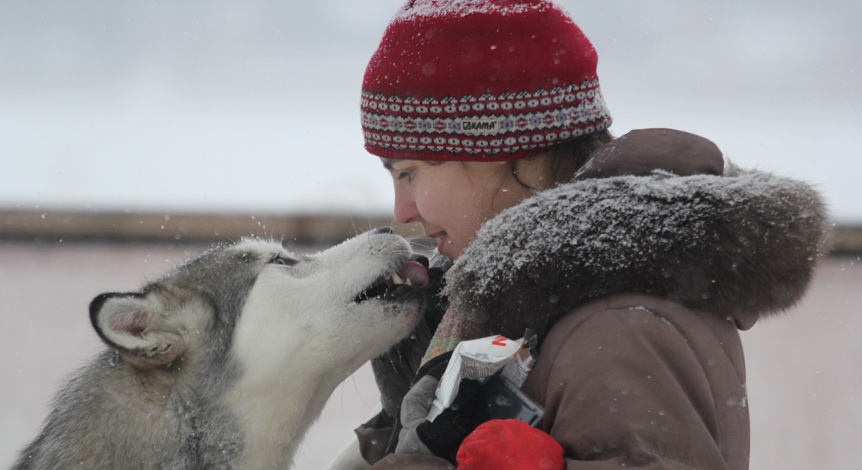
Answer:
(405, 209)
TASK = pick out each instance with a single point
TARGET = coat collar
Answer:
(739, 244)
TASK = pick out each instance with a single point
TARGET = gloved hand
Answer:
(502, 444)
(443, 436)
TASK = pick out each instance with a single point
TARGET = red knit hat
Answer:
(480, 80)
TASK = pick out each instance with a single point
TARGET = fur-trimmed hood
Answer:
(741, 244)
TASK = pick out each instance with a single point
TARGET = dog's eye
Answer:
(283, 261)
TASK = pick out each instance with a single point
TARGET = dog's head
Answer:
(333, 310)
(342, 306)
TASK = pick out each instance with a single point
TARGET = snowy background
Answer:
(254, 106)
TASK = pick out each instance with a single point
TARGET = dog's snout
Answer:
(385, 239)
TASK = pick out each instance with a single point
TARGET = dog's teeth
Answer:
(409, 282)
(396, 279)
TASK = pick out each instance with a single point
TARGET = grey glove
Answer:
(414, 411)
(443, 436)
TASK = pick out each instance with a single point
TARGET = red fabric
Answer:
(510, 444)
(448, 74)
(451, 55)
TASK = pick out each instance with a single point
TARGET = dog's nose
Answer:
(383, 230)
(420, 259)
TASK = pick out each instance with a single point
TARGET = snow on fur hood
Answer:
(740, 245)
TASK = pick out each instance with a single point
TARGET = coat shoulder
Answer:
(633, 377)
(611, 318)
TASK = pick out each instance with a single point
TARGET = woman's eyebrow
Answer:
(387, 163)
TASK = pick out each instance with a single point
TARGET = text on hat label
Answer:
(480, 126)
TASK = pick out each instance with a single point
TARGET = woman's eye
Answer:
(405, 174)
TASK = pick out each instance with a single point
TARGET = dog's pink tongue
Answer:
(415, 272)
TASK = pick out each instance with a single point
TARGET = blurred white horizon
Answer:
(174, 106)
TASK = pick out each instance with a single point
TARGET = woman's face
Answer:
(452, 199)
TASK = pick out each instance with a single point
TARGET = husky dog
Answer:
(226, 361)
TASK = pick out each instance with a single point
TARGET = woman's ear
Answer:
(135, 326)
(533, 173)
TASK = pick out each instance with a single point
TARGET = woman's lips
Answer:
(442, 240)
(440, 237)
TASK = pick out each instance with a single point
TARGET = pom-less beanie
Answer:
(480, 80)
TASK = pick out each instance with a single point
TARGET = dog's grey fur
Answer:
(226, 361)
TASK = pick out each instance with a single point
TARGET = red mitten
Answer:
(510, 444)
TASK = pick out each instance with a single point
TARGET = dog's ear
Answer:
(134, 325)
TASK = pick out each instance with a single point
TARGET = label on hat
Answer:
(487, 126)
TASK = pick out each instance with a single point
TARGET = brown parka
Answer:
(638, 287)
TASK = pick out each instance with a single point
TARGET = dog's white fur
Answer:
(325, 343)
(227, 361)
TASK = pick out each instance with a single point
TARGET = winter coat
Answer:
(638, 286)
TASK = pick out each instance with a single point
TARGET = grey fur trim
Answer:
(740, 245)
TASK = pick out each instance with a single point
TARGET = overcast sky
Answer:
(254, 106)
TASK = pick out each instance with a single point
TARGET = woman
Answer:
(636, 261)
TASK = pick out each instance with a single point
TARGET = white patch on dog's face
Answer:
(305, 328)
(305, 313)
